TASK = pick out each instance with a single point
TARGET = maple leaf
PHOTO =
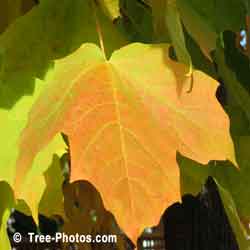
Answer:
(170, 22)
(206, 20)
(125, 120)
(23, 61)
(53, 193)
(7, 203)
(136, 21)
(82, 201)
(235, 197)
(111, 8)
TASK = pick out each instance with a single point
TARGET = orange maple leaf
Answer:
(125, 120)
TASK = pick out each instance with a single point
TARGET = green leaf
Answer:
(35, 175)
(12, 123)
(4, 239)
(136, 21)
(247, 3)
(56, 146)
(167, 25)
(175, 30)
(234, 181)
(14, 9)
(111, 8)
(3, 16)
(6, 204)
(199, 60)
(9, 11)
(240, 125)
(49, 31)
(22, 207)
(159, 9)
(233, 68)
(204, 20)
(231, 210)
(52, 200)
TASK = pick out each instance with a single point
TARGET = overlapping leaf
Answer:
(82, 202)
(53, 193)
(136, 21)
(159, 19)
(27, 50)
(9, 11)
(86, 214)
(111, 8)
(232, 183)
(168, 23)
(125, 119)
(49, 31)
(204, 20)
(235, 197)
(241, 234)
(7, 202)
(234, 68)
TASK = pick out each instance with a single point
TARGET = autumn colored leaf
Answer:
(126, 113)
(48, 35)
(24, 61)
(125, 119)
(235, 197)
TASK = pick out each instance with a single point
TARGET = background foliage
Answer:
(52, 53)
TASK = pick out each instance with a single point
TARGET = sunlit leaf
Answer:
(27, 50)
(125, 119)
(52, 200)
(111, 7)
(232, 183)
(7, 202)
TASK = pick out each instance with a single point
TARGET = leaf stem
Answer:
(98, 28)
